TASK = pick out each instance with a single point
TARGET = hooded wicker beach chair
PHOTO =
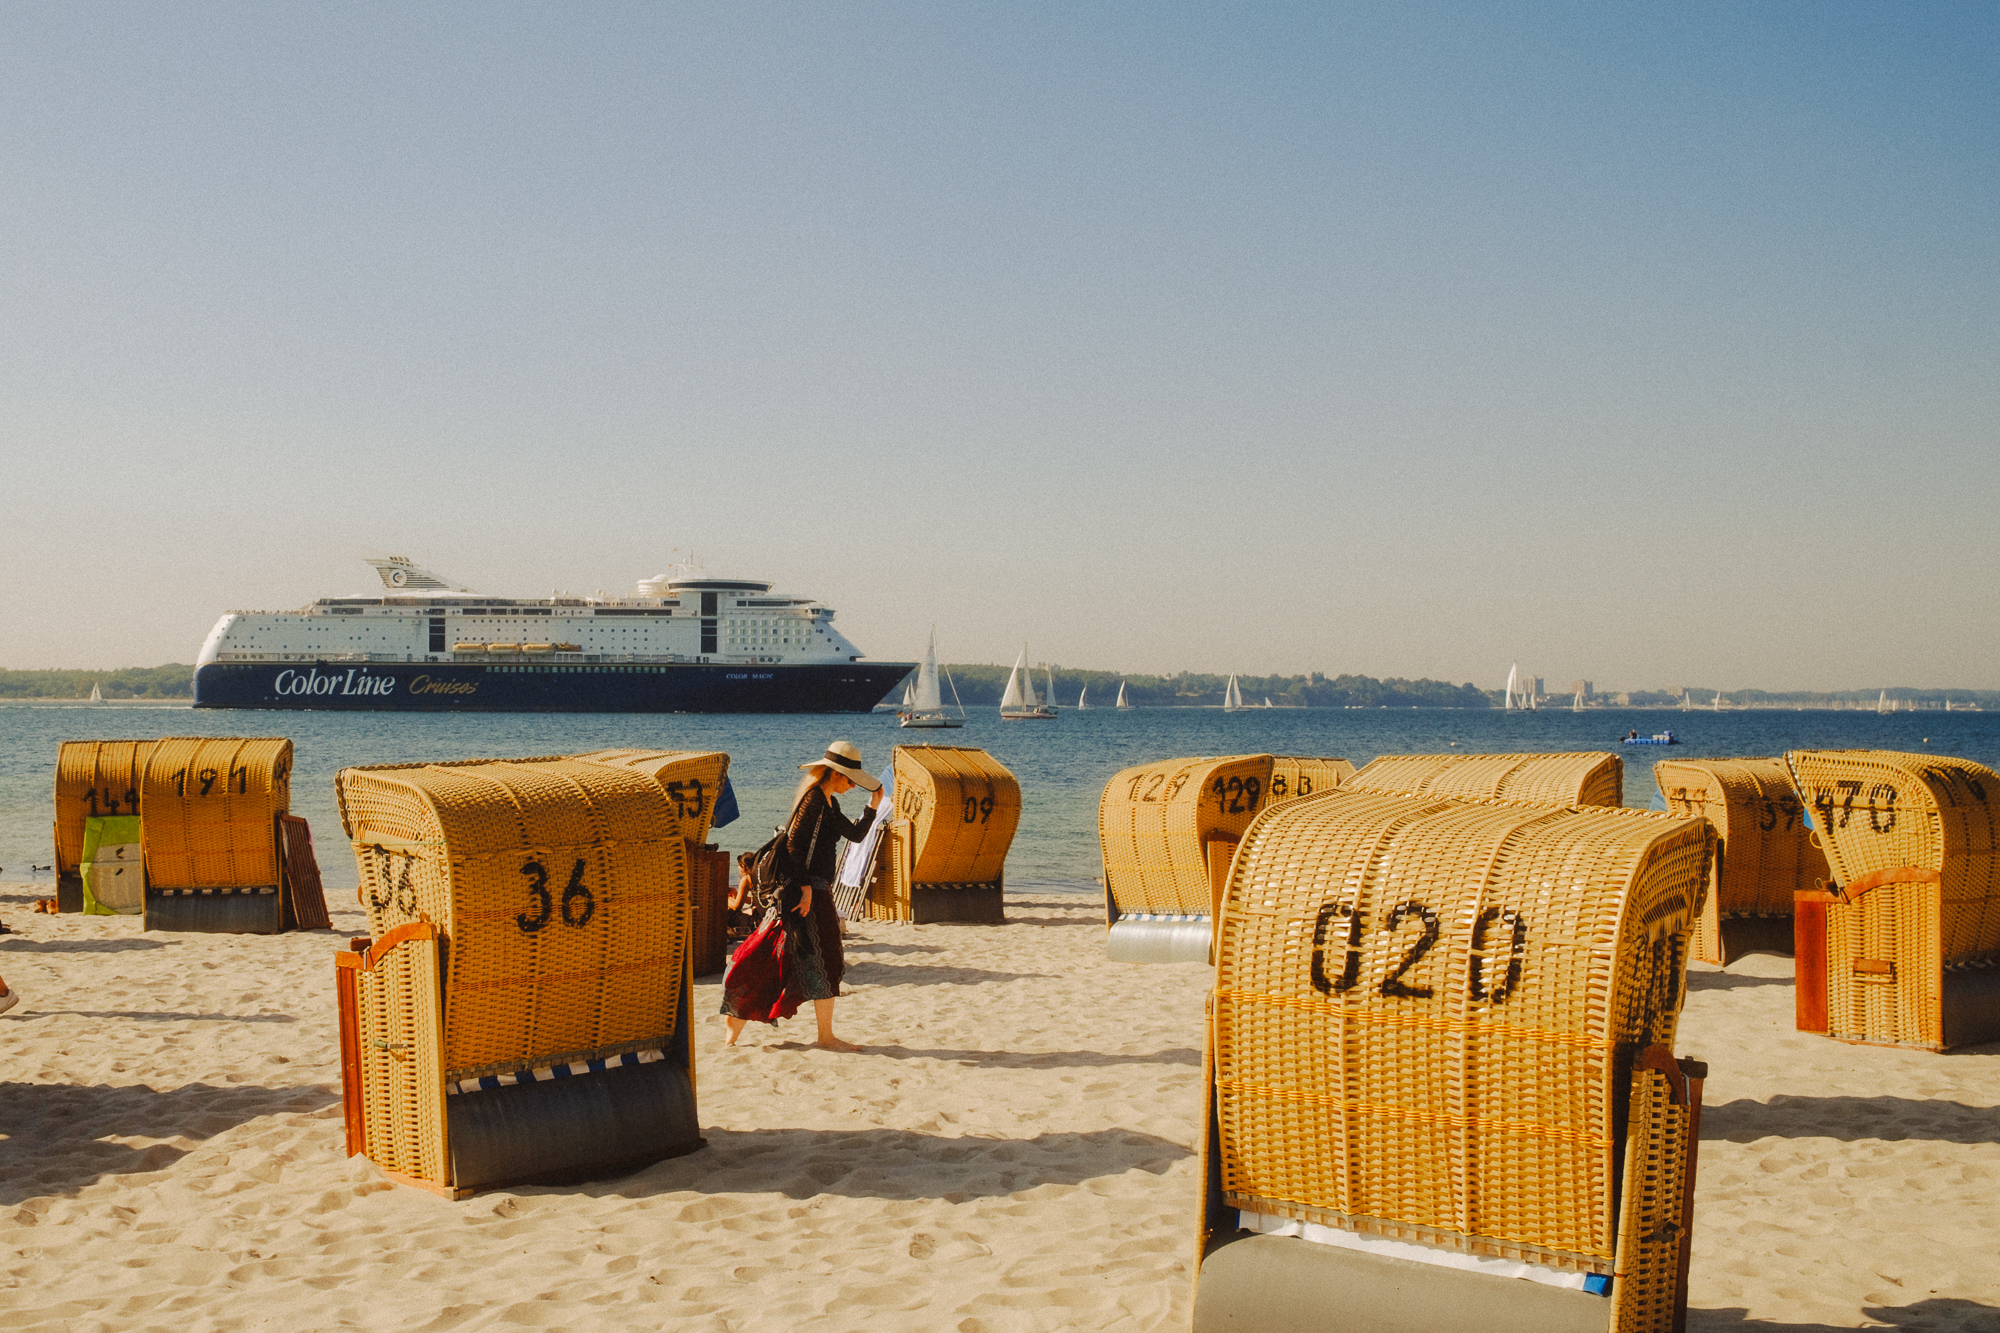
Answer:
(520, 1011)
(94, 780)
(1902, 948)
(1168, 830)
(693, 780)
(1767, 852)
(1584, 778)
(1293, 776)
(1440, 1094)
(209, 814)
(943, 856)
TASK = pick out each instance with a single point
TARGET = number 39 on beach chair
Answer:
(1439, 1081)
(522, 1011)
(1902, 947)
(1767, 854)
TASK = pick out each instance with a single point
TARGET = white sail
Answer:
(1121, 695)
(1028, 696)
(96, 695)
(1081, 695)
(1512, 673)
(1882, 703)
(1049, 690)
(927, 697)
(1012, 698)
(1232, 697)
(910, 693)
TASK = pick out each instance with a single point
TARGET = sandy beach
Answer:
(1014, 1151)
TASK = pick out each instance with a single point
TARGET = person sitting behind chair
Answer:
(743, 903)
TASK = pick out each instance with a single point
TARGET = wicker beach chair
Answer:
(94, 779)
(1767, 852)
(1902, 948)
(943, 856)
(1293, 776)
(1168, 830)
(209, 817)
(1439, 1083)
(1589, 777)
(693, 781)
(521, 1011)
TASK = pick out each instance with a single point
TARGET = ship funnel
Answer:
(399, 575)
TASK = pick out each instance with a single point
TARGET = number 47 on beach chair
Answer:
(1439, 1081)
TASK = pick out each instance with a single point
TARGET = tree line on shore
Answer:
(172, 681)
(980, 684)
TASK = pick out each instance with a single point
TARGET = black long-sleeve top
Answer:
(817, 823)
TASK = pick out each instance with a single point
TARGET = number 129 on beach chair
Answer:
(1440, 1094)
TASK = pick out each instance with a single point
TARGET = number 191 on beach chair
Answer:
(521, 1012)
(1440, 1094)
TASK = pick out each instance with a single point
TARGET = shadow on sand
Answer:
(1943, 1314)
(1891, 1119)
(57, 1132)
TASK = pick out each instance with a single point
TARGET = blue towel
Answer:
(725, 806)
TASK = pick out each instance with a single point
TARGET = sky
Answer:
(1642, 343)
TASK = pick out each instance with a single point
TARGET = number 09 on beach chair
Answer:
(1902, 947)
(1440, 1094)
(943, 856)
(521, 1013)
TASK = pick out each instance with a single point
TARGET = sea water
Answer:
(1062, 764)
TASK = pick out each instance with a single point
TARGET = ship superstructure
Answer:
(682, 642)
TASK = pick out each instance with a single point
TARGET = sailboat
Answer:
(1019, 703)
(922, 705)
(1513, 672)
(1576, 704)
(1049, 689)
(1719, 705)
(96, 695)
(1268, 703)
(1232, 695)
(1882, 705)
(1081, 695)
(1121, 696)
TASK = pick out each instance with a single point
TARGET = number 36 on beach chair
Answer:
(1438, 1072)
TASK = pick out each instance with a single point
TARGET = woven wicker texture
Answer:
(1426, 1014)
(1878, 812)
(211, 807)
(402, 1090)
(1645, 1291)
(560, 889)
(1767, 853)
(1584, 778)
(1155, 821)
(962, 806)
(93, 778)
(1294, 775)
(692, 780)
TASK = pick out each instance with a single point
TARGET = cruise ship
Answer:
(681, 643)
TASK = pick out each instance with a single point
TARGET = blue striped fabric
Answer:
(488, 1082)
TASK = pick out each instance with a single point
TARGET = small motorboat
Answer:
(1662, 738)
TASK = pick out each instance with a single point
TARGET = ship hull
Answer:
(453, 687)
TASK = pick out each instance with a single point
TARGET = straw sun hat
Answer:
(843, 758)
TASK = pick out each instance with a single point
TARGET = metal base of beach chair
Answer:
(1254, 1283)
(974, 904)
(69, 893)
(1756, 934)
(219, 913)
(1971, 1007)
(572, 1129)
(1158, 939)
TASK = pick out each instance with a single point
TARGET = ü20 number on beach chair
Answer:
(1440, 1094)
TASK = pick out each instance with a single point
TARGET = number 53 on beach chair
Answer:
(1440, 1089)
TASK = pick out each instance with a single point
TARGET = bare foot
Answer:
(835, 1044)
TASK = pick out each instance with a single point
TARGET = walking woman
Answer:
(813, 963)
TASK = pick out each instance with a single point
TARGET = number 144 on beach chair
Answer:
(1439, 1081)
